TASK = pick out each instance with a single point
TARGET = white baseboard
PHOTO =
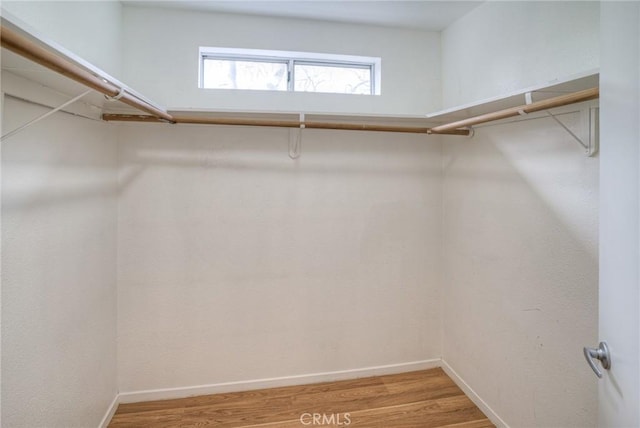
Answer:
(473, 396)
(217, 388)
(104, 423)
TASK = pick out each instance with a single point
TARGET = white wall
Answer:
(161, 60)
(90, 29)
(520, 240)
(500, 47)
(520, 282)
(237, 263)
(59, 188)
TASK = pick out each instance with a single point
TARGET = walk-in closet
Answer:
(320, 213)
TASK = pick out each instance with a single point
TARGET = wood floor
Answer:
(427, 398)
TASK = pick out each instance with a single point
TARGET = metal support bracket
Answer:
(594, 130)
(590, 129)
(589, 140)
(44, 116)
(295, 139)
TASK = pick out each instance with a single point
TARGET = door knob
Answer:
(602, 354)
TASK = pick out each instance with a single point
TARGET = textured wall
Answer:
(59, 187)
(503, 46)
(237, 263)
(164, 64)
(520, 282)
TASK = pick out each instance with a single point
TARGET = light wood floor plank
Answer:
(427, 398)
(253, 396)
(425, 414)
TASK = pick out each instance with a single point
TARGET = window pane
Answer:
(335, 79)
(236, 74)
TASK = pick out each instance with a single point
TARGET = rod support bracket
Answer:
(589, 140)
(117, 96)
(295, 139)
(44, 116)
(593, 114)
(472, 131)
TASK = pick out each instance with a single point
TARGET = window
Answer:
(229, 73)
(226, 68)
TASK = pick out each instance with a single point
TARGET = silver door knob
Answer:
(601, 354)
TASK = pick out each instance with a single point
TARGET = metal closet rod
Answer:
(22, 46)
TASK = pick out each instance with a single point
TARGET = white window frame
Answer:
(293, 58)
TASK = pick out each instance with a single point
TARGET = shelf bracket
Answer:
(295, 139)
(590, 127)
(44, 116)
(593, 116)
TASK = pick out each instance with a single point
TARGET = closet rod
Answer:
(22, 46)
(562, 100)
(284, 124)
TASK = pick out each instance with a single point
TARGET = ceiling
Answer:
(416, 14)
